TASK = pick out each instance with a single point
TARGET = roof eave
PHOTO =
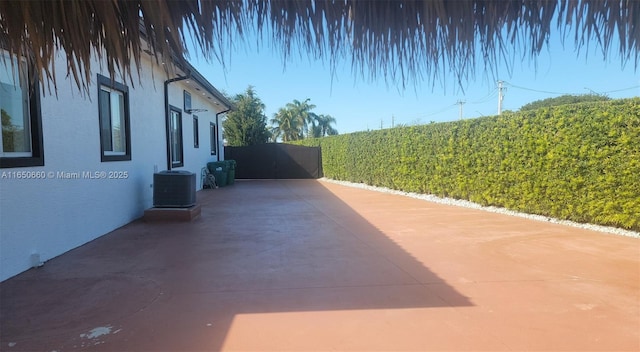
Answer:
(199, 78)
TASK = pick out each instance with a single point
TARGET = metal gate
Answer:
(276, 161)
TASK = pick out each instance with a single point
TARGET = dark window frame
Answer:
(35, 120)
(196, 133)
(187, 102)
(214, 139)
(179, 127)
(111, 84)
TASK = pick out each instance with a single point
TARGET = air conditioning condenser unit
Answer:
(174, 189)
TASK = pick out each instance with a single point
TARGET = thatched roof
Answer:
(397, 40)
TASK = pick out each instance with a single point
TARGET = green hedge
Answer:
(578, 162)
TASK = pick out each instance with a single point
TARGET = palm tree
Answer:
(296, 121)
(314, 130)
(286, 125)
(303, 115)
(322, 126)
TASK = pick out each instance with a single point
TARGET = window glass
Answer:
(196, 133)
(112, 108)
(105, 122)
(176, 138)
(214, 140)
(14, 110)
(117, 122)
(114, 120)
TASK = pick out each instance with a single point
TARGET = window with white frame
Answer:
(21, 137)
(115, 136)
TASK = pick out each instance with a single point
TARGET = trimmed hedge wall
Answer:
(579, 162)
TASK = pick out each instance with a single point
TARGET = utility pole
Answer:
(500, 96)
(393, 121)
(460, 102)
(381, 120)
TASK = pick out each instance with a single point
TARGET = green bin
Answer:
(221, 178)
(220, 171)
(231, 172)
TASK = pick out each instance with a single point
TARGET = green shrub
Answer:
(579, 162)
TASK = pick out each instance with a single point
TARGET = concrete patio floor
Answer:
(310, 265)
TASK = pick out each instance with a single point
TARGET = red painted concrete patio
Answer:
(310, 265)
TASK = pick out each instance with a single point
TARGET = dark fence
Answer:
(276, 161)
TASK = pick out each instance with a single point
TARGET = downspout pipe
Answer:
(218, 131)
(167, 115)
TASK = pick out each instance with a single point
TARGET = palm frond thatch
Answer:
(399, 40)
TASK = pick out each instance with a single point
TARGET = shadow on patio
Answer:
(261, 249)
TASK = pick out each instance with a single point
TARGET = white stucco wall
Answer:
(194, 157)
(53, 215)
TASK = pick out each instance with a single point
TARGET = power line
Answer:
(567, 93)
(485, 99)
(533, 90)
(479, 101)
(499, 91)
(449, 107)
(620, 90)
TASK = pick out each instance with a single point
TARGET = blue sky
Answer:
(359, 104)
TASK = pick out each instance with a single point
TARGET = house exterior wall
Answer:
(193, 156)
(52, 215)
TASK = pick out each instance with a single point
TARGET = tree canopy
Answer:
(563, 100)
(247, 123)
(297, 121)
(400, 40)
(321, 126)
(286, 126)
(291, 123)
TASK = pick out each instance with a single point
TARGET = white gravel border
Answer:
(468, 204)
